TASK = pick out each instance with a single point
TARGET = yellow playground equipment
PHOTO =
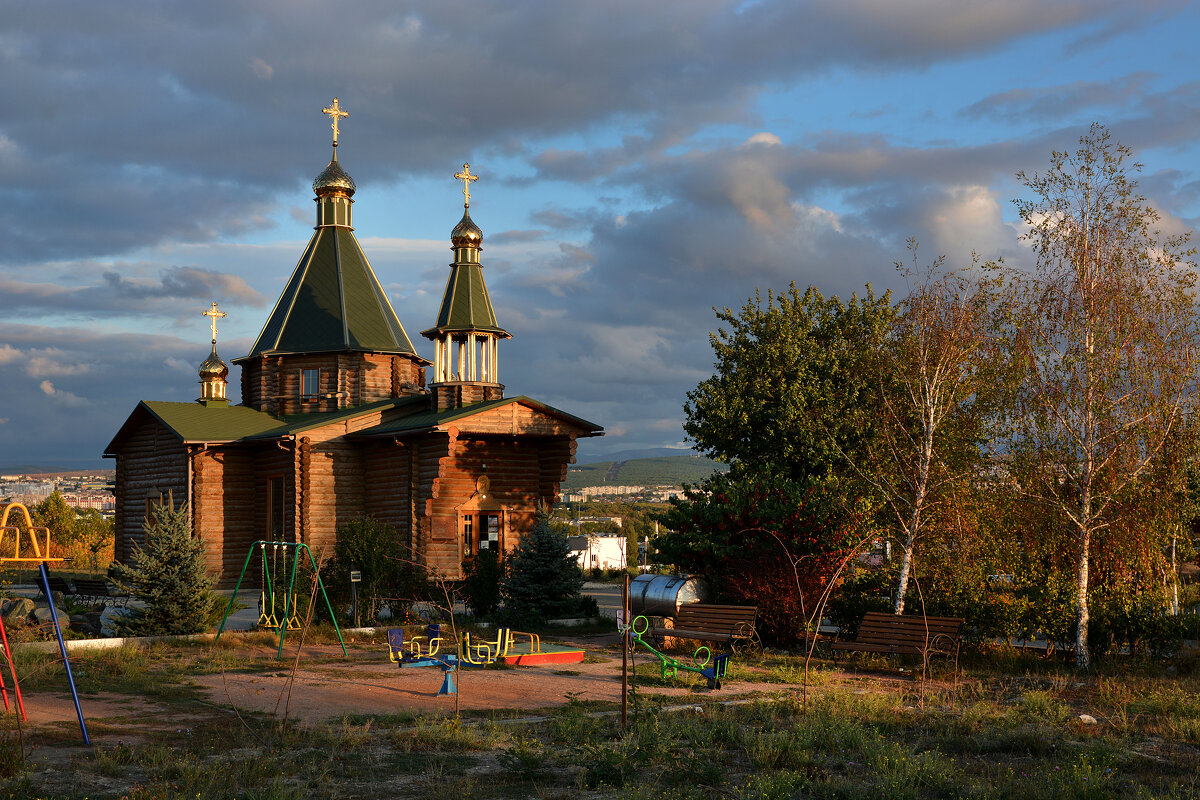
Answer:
(40, 554)
(35, 551)
(486, 652)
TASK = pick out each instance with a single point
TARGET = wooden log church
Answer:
(341, 418)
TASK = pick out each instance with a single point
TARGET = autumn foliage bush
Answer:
(769, 542)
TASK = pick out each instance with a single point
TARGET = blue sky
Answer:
(640, 163)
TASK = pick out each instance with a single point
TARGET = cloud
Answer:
(153, 132)
(646, 171)
(1064, 101)
(48, 363)
(61, 397)
(187, 282)
(261, 69)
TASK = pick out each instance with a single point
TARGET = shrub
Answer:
(168, 576)
(483, 575)
(383, 561)
(543, 577)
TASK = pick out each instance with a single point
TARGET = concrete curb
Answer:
(121, 641)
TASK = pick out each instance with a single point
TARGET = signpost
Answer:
(355, 579)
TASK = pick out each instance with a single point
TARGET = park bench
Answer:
(894, 635)
(94, 591)
(58, 584)
(709, 622)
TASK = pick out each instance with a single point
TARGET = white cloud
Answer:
(47, 363)
(261, 69)
(9, 354)
(763, 138)
(64, 397)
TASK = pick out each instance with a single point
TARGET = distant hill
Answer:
(663, 471)
(56, 470)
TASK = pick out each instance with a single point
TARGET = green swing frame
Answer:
(288, 597)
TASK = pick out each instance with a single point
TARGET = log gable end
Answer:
(517, 419)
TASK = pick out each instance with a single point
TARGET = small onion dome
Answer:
(333, 178)
(466, 233)
(213, 367)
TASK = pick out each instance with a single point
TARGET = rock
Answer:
(42, 615)
(111, 618)
(17, 609)
(1087, 719)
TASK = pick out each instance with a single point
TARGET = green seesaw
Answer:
(670, 666)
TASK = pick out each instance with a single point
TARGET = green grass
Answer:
(995, 733)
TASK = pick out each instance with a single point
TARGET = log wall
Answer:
(152, 463)
(387, 485)
(523, 473)
(272, 383)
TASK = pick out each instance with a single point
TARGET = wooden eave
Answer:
(459, 418)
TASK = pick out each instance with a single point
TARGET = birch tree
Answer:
(1104, 331)
(928, 368)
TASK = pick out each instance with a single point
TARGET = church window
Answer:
(310, 384)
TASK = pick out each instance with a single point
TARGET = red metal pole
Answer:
(13, 669)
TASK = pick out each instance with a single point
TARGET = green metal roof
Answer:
(466, 305)
(430, 419)
(298, 423)
(333, 302)
(197, 422)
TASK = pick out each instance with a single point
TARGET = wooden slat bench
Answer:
(894, 635)
(710, 622)
(94, 591)
(58, 584)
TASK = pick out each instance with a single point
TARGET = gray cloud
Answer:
(148, 126)
(144, 121)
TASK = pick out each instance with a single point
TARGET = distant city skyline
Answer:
(637, 165)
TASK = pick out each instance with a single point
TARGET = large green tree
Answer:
(792, 408)
(791, 386)
(1105, 333)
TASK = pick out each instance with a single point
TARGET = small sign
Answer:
(355, 576)
(620, 617)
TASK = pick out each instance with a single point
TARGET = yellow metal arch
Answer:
(40, 553)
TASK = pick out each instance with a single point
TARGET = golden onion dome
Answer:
(466, 233)
(213, 367)
(333, 178)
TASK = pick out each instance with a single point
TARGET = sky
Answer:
(640, 164)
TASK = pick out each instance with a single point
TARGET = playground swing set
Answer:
(277, 599)
(38, 553)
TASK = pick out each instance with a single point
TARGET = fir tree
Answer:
(168, 576)
(543, 577)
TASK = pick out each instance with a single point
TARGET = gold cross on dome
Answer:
(215, 315)
(335, 113)
(466, 177)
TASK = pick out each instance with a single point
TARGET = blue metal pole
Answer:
(62, 646)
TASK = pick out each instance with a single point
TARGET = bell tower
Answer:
(466, 363)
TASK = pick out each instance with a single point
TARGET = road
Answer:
(608, 596)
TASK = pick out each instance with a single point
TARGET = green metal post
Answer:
(328, 605)
(229, 610)
(288, 595)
